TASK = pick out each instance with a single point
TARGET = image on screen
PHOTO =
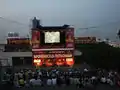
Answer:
(52, 37)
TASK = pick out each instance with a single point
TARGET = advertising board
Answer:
(70, 38)
(18, 41)
(53, 46)
(35, 39)
(53, 54)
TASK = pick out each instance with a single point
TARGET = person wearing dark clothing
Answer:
(67, 81)
(58, 81)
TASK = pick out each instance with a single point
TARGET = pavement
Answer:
(99, 87)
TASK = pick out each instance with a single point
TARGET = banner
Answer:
(70, 38)
(35, 39)
(53, 52)
(52, 56)
(18, 41)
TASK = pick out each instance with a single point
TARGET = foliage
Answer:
(99, 55)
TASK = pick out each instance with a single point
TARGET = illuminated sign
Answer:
(37, 60)
(53, 52)
(69, 61)
(52, 55)
(35, 39)
(70, 38)
(18, 41)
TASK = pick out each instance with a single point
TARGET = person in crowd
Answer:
(21, 82)
(49, 81)
(36, 81)
(65, 78)
(54, 81)
(103, 80)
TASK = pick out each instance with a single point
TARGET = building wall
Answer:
(26, 54)
(85, 40)
(114, 44)
(2, 47)
(16, 54)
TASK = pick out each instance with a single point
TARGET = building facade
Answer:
(85, 40)
(19, 58)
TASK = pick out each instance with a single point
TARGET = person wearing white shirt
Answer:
(75, 81)
(85, 70)
(20, 75)
(49, 82)
(16, 76)
(103, 80)
(109, 81)
(36, 82)
(33, 73)
(71, 80)
(40, 73)
(47, 74)
(54, 81)
(31, 80)
(93, 78)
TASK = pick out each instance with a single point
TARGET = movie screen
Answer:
(53, 37)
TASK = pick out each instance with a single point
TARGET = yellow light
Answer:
(37, 63)
(49, 60)
(37, 60)
(59, 60)
(69, 59)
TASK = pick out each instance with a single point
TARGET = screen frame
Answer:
(62, 38)
(57, 36)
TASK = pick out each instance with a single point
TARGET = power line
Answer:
(84, 28)
(92, 27)
(13, 21)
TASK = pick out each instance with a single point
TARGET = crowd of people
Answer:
(58, 77)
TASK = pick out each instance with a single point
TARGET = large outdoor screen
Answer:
(52, 37)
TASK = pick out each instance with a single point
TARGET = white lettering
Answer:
(52, 55)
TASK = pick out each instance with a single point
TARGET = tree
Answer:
(100, 55)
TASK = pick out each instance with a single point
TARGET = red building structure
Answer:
(52, 46)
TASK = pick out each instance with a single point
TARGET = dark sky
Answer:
(79, 13)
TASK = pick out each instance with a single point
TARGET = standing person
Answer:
(36, 81)
(80, 83)
(67, 81)
(54, 81)
(21, 82)
(49, 81)
(77, 82)
(58, 81)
